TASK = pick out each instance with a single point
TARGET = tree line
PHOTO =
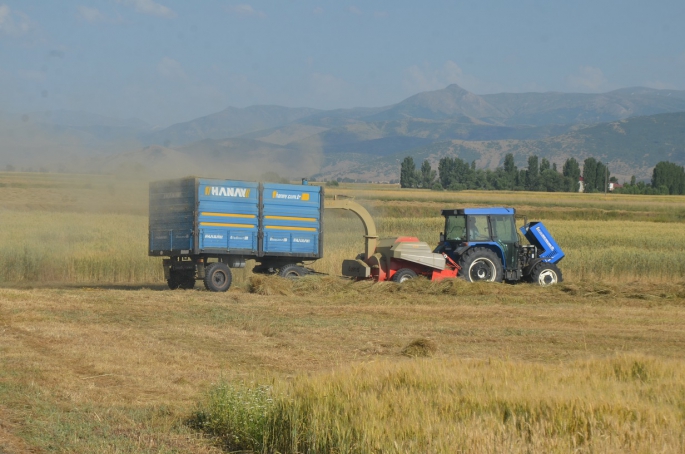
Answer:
(667, 179)
(456, 174)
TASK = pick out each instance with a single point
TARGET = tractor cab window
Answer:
(455, 228)
(477, 228)
(504, 229)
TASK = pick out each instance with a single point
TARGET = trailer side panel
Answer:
(228, 216)
(291, 219)
(171, 217)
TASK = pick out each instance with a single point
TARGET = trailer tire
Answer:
(181, 279)
(480, 264)
(403, 275)
(172, 283)
(545, 273)
(218, 277)
(292, 271)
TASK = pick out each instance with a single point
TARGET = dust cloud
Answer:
(31, 145)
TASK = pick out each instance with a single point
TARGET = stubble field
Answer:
(96, 355)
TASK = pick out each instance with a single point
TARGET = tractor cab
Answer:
(490, 228)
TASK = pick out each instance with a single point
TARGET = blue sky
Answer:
(166, 61)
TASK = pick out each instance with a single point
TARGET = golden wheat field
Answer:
(97, 355)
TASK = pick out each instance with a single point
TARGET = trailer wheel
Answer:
(172, 283)
(480, 264)
(402, 275)
(181, 279)
(218, 277)
(292, 271)
(188, 282)
(545, 274)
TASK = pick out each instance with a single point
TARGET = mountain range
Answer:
(631, 129)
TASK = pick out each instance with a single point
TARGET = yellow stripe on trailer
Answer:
(220, 224)
(291, 218)
(229, 215)
(306, 229)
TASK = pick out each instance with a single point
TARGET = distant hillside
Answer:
(631, 147)
(388, 137)
(449, 102)
(535, 109)
(456, 114)
(443, 114)
(563, 108)
(230, 122)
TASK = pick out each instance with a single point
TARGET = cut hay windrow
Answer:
(420, 348)
(333, 287)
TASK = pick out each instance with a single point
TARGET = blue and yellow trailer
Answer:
(205, 227)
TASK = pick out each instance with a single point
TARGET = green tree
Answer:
(544, 165)
(601, 177)
(509, 165)
(522, 179)
(533, 174)
(552, 181)
(408, 177)
(446, 172)
(455, 173)
(590, 174)
(506, 178)
(571, 171)
(669, 175)
(427, 175)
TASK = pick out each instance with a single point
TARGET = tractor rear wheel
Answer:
(402, 275)
(292, 271)
(218, 277)
(480, 264)
(545, 274)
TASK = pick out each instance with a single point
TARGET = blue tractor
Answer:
(487, 246)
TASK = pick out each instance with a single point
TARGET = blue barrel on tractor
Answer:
(205, 227)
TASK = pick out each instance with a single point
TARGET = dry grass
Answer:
(98, 370)
(622, 404)
(97, 356)
(420, 348)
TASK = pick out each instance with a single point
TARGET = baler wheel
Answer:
(545, 274)
(403, 274)
(292, 271)
(480, 264)
(218, 277)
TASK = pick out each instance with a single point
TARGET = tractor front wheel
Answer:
(218, 277)
(480, 264)
(402, 275)
(545, 274)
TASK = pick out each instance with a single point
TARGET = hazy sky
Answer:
(166, 61)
